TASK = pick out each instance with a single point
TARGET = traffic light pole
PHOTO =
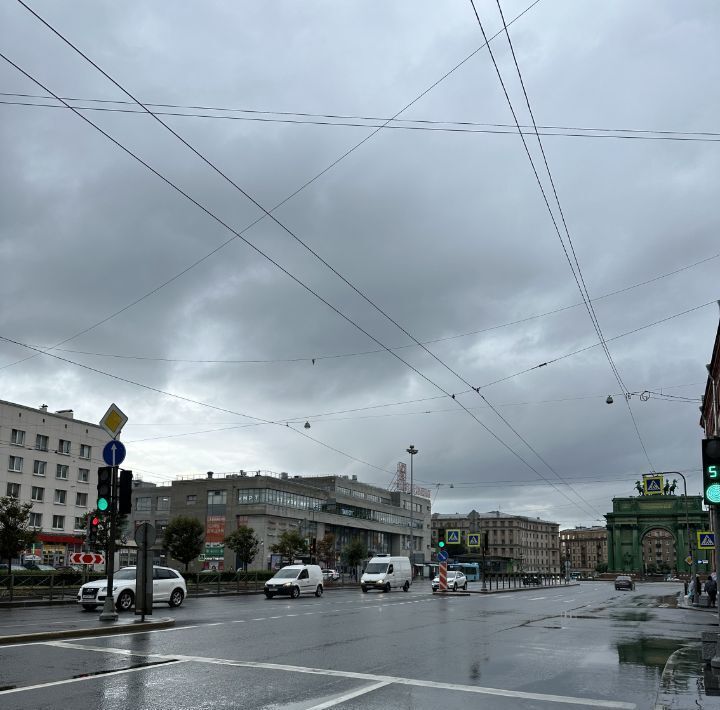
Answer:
(109, 612)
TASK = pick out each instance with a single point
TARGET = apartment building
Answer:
(585, 548)
(516, 543)
(273, 503)
(50, 459)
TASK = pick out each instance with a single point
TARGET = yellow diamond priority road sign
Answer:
(113, 421)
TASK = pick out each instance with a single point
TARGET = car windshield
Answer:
(287, 574)
(376, 568)
(125, 574)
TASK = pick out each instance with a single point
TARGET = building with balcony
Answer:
(516, 543)
(271, 504)
(50, 459)
(585, 548)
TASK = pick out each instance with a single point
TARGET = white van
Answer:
(384, 572)
(295, 580)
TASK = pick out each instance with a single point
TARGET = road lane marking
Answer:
(534, 599)
(349, 696)
(385, 680)
(53, 683)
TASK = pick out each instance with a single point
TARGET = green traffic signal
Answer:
(103, 504)
(711, 470)
(441, 544)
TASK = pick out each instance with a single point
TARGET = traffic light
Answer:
(125, 493)
(104, 488)
(711, 471)
(441, 544)
(93, 525)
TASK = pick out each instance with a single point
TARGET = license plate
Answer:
(89, 592)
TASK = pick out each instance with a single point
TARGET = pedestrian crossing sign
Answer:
(705, 540)
(452, 537)
(473, 540)
(653, 485)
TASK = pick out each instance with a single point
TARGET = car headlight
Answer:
(287, 584)
(102, 590)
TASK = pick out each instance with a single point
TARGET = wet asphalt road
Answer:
(579, 646)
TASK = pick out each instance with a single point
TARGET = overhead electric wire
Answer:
(284, 228)
(289, 197)
(234, 361)
(350, 121)
(190, 400)
(575, 269)
(255, 248)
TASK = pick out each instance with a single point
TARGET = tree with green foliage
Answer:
(326, 550)
(244, 543)
(184, 539)
(291, 545)
(15, 534)
(354, 552)
(601, 567)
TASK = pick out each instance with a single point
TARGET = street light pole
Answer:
(412, 451)
(687, 521)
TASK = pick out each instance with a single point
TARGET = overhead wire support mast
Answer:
(575, 269)
(290, 233)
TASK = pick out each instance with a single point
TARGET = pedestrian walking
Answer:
(711, 589)
(691, 590)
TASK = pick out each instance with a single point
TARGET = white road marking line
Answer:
(349, 696)
(85, 678)
(534, 599)
(386, 680)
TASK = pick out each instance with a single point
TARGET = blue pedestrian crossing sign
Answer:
(653, 485)
(705, 540)
(473, 540)
(452, 537)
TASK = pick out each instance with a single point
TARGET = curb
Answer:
(96, 631)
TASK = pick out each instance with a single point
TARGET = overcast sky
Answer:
(446, 231)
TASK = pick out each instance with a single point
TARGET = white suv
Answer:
(168, 586)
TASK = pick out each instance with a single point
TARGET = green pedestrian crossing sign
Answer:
(653, 485)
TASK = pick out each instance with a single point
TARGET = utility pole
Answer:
(412, 451)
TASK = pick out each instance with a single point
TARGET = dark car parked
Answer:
(624, 582)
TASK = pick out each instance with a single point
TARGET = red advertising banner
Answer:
(215, 528)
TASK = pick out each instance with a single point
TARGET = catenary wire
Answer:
(575, 269)
(460, 127)
(308, 358)
(289, 232)
(289, 197)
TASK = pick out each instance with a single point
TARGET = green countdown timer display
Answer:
(711, 471)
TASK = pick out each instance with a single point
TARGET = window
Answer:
(15, 464)
(17, 437)
(162, 573)
(63, 446)
(35, 520)
(38, 494)
(41, 442)
(80, 523)
(142, 504)
(39, 467)
(83, 475)
(163, 503)
(85, 451)
(13, 490)
(58, 522)
(61, 471)
(60, 496)
(81, 500)
(190, 500)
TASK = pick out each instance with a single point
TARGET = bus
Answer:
(470, 569)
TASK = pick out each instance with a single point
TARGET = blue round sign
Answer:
(114, 453)
(442, 555)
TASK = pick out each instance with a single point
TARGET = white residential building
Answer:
(51, 460)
